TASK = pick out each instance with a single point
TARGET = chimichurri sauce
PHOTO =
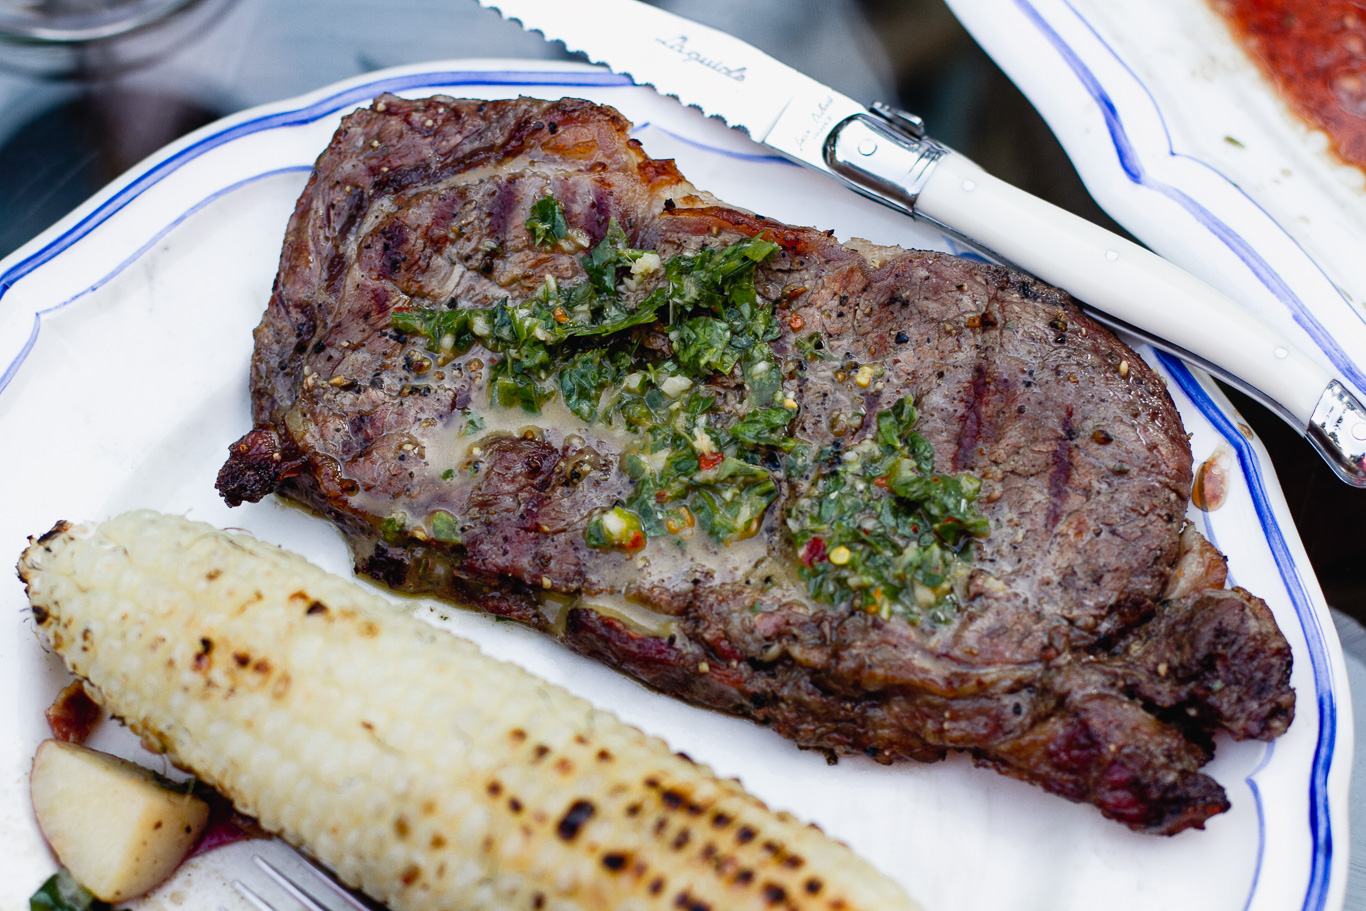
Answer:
(875, 529)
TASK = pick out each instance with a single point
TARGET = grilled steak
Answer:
(746, 511)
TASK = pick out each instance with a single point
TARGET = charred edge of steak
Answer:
(1078, 662)
(1105, 750)
(418, 569)
(257, 465)
(1129, 740)
(1214, 658)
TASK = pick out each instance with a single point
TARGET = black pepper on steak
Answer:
(1079, 660)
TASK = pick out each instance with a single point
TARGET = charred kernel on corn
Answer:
(419, 769)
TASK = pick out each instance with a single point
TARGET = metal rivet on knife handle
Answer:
(880, 161)
(1338, 431)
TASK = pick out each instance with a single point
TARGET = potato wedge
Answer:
(116, 826)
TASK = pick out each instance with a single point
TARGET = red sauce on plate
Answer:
(1315, 53)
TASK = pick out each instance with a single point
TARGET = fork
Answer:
(339, 896)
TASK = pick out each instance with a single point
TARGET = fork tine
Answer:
(310, 901)
(284, 882)
(252, 898)
(352, 900)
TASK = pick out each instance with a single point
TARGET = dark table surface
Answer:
(73, 117)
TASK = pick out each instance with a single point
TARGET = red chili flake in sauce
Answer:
(813, 552)
(709, 460)
(1315, 53)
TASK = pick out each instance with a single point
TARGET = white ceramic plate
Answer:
(1181, 139)
(125, 333)
(1179, 136)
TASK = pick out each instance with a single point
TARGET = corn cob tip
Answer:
(29, 561)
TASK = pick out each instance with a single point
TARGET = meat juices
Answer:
(1076, 657)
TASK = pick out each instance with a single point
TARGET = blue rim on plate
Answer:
(1097, 72)
(1132, 164)
(1320, 815)
(213, 136)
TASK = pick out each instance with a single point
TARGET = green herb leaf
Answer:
(878, 530)
(61, 892)
(812, 347)
(391, 529)
(764, 427)
(798, 461)
(520, 390)
(612, 254)
(473, 424)
(896, 424)
(445, 527)
(703, 346)
(588, 375)
(547, 223)
(436, 326)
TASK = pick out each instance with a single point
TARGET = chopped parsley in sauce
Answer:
(547, 224)
(697, 464)
(876, 529)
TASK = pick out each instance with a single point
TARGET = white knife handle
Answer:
(1124, 281)
(1121, 278)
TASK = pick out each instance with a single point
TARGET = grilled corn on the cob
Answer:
(419, 769)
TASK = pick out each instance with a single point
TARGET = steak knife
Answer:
(885, 154)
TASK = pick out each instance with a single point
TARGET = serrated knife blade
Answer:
(885, 155)
(701, 66)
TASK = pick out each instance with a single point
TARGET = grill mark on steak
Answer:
(1061, 475)
(1079, 660)
(966, 454)
(506, 200)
